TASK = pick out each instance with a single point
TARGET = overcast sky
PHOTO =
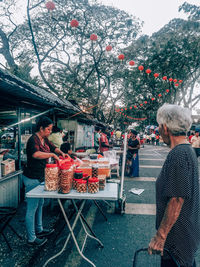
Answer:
(154, 13)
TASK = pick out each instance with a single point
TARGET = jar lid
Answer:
(65, 166)
(80, 181)
(78, 171)
(85, 175)
(51, 165)
(93, 180)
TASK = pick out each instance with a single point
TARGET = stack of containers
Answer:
(78, 175)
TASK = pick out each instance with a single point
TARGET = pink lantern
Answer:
(170, 79)
(159, 95)
(108, 48)
(175, 80)
(141, 105)
(50, 6)
(180, 81)
(164, 78)
(93, 37)
(74, 23)
(141, 68)
(156, 75)
(145, 102)
(176, 84)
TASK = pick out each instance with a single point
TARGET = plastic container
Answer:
(104, 170)
(93, 185)
(66, 176)
(52, 178)
(81, 186)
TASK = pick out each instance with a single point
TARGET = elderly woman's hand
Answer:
(156, 245)
(55, 157)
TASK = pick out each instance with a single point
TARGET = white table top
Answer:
(109, 193)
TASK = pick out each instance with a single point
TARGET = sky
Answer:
(154, 13)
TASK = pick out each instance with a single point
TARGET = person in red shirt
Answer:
(104, 144)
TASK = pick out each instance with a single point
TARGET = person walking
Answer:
(39, 149)
(97, 139)
(177, 192)
(104, 143)
(195, 141)
(132, 158)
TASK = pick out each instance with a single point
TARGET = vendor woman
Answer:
(39, 149)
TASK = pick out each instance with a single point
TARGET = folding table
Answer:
(111, 192)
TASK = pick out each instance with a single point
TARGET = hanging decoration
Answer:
(170, 79)
(141, 68)
(180, 81)
(121, 57)
(176, 84)
(175, 80)
(145, 102)
(130, 107)
(148, 71)
(141, 105)
(50, 6)
(131, 63)
(167, 90)
(164, 78)
(153, 98)
(108, 48)
(93, 37)
(159, 95)
(74, 23)
(156, 75)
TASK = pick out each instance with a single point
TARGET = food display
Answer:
(66, 176)
(104, 170)
(51, 177)
(78, 174)
(81, 186)
(93, 185)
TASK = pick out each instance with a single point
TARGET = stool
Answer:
(6, 215)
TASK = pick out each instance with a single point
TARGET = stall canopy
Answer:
(16, 93)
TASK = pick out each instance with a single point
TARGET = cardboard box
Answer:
(7, 166)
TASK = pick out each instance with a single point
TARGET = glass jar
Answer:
(95, 170)
(93, 185)
(81, 186)
(66, 176)
(102, 182)
(51, 177)
(78, 174)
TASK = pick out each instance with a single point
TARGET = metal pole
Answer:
(123, 167)
(19, 138)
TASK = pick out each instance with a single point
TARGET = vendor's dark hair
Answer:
(43, 122)
(134, 132)
(55, 129)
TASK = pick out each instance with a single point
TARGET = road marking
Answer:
(141, 179)
(150, 166)
(140, 209)
(151, 159)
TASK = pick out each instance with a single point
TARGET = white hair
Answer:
(177, 119)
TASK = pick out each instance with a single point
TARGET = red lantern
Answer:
(122, 109)
(135, 106)
(180, 81)
(164, 78)
(74, 23)
(50, 6)
(125, 108)
(145, 102)
(175, 80)
(167, 90)
(130, 107)
(93, 37)
(121, 57)
(152, 98)
(131, 63)
(108, 48)
(156, 75)
(176, 84)
(160, 95)
(140, 68)
(141, 104)
(170, 79)
(148, 71)
(122, 113)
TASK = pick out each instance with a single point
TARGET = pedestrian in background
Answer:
(195, 141)
(177, 191)
(97, 139)
(56, 137)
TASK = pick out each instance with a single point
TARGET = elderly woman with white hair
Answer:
(177, 192)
